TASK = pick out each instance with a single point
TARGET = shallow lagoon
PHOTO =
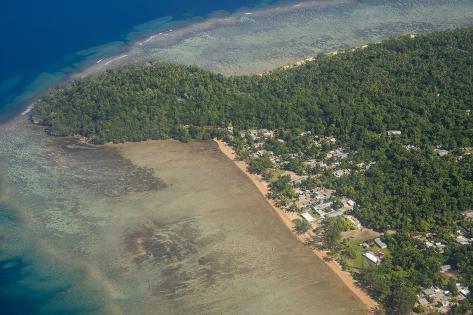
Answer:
(259, 40)
(161, 228)
(173, 228)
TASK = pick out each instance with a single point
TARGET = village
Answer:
(298, 173)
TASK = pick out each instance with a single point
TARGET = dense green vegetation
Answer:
(409, 266)
(421, 86)
(412, 190)
(331, 232)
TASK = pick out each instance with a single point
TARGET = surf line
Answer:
(115, 59)
(27, 110)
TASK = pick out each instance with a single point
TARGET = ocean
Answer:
(85, 231)
(44, 41)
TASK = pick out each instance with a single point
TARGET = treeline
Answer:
(421, 86)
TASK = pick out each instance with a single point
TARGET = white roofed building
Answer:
(394, 132)
(380, 243)
(371, 257)
(308, 217)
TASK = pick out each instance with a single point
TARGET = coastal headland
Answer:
(168, 227)
(331, 143)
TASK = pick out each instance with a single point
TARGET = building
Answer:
(308, 217)
(423, 301)
(462, 240)
(261, 153)
(354, 221)
(465, 292)
(380, 243)
(411, 147)
(322, 194)
(267, 133)
(334, 214)
(394, 132)
(429, 244)
(430, 292)
(319, 211)
(326, 205)
(253, 134)
(442, 152)
(371, 257)
(440, 247)
(339, 153)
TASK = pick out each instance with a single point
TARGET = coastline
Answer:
(263, 188)
(135, 49)
(177, 31)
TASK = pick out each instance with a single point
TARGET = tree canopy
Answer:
(420, 86)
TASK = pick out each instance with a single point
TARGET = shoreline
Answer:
(177, 31)
(263, 188)
(133, 49)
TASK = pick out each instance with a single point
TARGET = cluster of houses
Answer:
(430, 240)
(316, 204)
(396, 133)
(324, 210)
(437, 245)
(434, 299)
(437, 300)
(376, 256)
(338, 155)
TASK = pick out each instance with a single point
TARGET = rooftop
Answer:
(380, 243)
(371, 257)
(308, 217)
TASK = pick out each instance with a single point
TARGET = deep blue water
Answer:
(42, 36)
(13, 302)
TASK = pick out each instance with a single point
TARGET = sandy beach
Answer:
(287, 219)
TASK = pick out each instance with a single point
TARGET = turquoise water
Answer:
(44, 41)
(62, 206)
